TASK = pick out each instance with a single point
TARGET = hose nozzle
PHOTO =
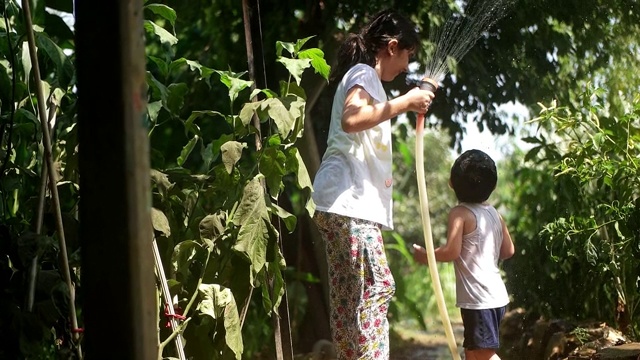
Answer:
(428, 84)
(425, 84)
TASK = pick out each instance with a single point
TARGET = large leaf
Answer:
(296, 67)
(175, 96)
(164, 11)
(253, 217)
(273, 284)
(212, 226)
(162, 182)
(164, 36)
(253, 238)
(318, 62)
(185, 255)
(231, 154)
(296, 165)
(288, 218)
(160, 222)
(283, 119)
(186, 151)
(218, 301)
(272, 166)
(252, 204)
(234, 83)
(64, 66)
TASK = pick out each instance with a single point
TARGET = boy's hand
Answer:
(419, 254)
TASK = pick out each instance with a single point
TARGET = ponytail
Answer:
(363, 47)
(352, 51)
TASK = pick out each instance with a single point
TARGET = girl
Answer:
(353, 186)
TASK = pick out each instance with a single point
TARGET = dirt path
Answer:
(413, 345)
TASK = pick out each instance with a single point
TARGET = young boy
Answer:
(477, 238)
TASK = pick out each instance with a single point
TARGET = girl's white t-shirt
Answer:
(354, 178)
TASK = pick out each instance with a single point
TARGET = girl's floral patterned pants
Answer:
(360, 286)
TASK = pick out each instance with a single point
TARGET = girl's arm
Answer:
(361, 114)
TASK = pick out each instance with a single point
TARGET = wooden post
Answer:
(117, 289)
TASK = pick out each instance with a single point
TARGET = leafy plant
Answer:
(216, 214)
(592, 232)
(216, 205)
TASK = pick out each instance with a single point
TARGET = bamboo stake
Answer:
(46, 138)
(282, 330)
(33, 271)
(164, 286)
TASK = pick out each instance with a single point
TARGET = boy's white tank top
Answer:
(479, 284)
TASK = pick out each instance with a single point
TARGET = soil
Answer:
(414, 345)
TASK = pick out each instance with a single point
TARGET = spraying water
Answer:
(467, 22)
(451, 42)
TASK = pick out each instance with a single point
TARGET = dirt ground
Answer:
(414, 345)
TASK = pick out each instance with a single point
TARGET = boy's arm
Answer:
(507, 249)
(455, 230)
(451, 250)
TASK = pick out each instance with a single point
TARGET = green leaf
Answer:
(231, 154)
(175, 96)
(185, 254)
(164, 36)
(195, 115)
(288, 218)
(296, 106)
(204, 71)
(295, 66)
(281, 116)
(163, 67)
(302, 176)
(160, 222)
(212, 226)
(318, 62)
(280, 45)
(186, 151)
(153, 109)
(64, 66)
(248, 109)
(162, 182)
(252, 204)
(272, 165)
(252, 241)
(253, 217)
(233, 82)
(218, 301)
(157, 87)
(163, 11)
(300, 43)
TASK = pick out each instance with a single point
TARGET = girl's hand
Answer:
(418, 100)
(419, 254)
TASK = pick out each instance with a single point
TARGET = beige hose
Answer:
(428, 238)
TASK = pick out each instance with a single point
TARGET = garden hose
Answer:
(431, 85)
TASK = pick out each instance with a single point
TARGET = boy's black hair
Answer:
(473, 176)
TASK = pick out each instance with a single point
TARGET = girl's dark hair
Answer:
(473, 176)
(363, 47)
